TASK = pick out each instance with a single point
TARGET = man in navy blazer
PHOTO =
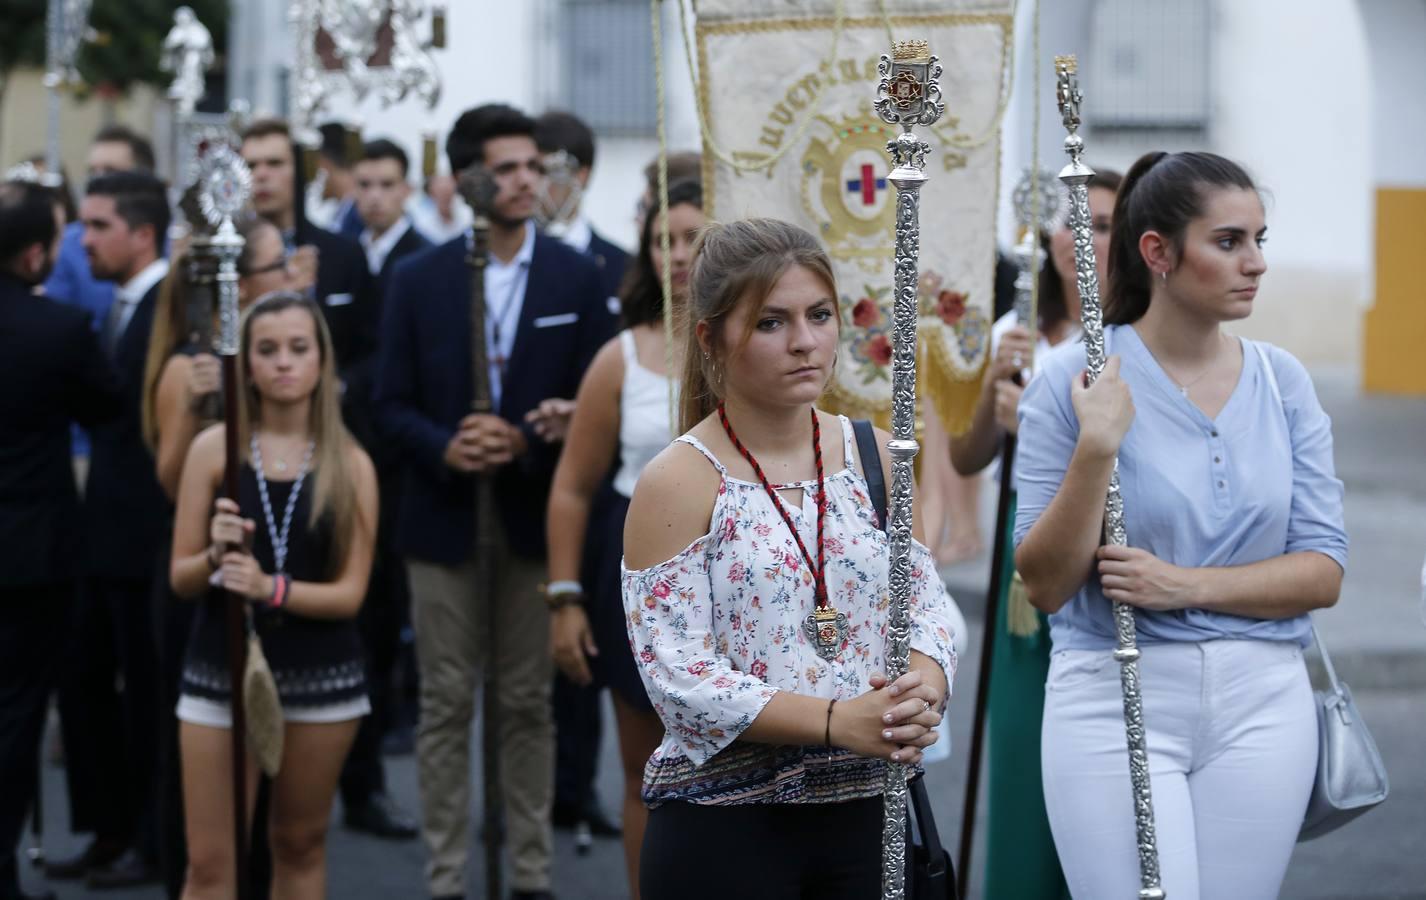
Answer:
(561, 131)
(545, 319)
(388, 237)
(51, 372)
(126, 218)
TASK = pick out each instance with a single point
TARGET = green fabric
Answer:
(1021, 863)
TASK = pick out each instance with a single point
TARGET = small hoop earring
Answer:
(1164, 276)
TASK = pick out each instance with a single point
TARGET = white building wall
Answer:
(1396, 33)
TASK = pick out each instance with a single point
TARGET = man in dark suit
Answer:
(565, 132)
(51, 373)
(381, 192)
(344, 287)
(336, 208)
(545, 319)
(125, 217)
(578, 713)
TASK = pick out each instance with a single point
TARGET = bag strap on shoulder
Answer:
(870, 453)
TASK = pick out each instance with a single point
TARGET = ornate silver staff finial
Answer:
(1076, 176)
(188, 53)
(356, 29)
(560, 170)
(1036, 200)
(907, 95)
(66, 27)
(224, 184)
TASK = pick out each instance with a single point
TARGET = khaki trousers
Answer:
(452, 614)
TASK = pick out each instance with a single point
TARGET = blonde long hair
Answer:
(733, 261)
(332, 490)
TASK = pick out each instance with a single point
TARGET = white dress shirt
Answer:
(504, 298)
(377, 249)
(128, 295)
(577, 234)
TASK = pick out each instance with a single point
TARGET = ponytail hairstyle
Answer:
(739, 262)
(333, 493)
(1163, 192)
(1052, 306)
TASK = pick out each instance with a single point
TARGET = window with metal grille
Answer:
(608, 65)
(1148, 64)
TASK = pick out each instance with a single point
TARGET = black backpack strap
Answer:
(871, 468)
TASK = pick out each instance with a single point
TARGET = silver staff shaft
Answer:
(1076, 176)
(66, 27)
(907, 95)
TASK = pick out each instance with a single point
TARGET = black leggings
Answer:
(827, 851)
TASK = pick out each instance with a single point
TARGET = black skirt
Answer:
(604, 549)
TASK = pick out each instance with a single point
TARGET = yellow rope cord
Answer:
(1035, 168)
(665, 242)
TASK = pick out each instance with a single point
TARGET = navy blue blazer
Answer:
(612, 261)
(125, 510)
(51, 372)
(424, 389)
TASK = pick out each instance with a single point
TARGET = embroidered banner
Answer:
(771, 86)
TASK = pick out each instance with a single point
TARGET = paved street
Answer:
(1376, 635)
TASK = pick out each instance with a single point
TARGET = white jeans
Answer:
(1232, 737)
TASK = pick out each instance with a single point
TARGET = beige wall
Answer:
(23, 119)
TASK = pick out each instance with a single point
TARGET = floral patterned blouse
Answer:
(717, 632)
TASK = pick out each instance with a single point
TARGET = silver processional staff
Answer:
(1076, 177)
(907, 95)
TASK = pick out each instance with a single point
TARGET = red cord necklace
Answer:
(826, 627)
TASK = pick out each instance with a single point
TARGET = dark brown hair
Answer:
(641, 294)
(739, 262)
(1163, 192)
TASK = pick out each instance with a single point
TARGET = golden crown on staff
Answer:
(1076, 176)
(908, 94)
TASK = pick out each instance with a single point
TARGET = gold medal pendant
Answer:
(827, 630)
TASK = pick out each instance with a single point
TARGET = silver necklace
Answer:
(1184, 386)
(279, 537)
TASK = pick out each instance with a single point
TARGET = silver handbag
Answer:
(1350, 776)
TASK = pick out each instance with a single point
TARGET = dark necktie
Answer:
(109, 336)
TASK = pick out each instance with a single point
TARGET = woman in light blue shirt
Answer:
(1234, 517)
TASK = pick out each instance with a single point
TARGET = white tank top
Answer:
(643, 417)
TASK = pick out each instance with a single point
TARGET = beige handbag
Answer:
(262, 707)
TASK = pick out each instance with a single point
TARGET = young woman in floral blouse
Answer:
(739, 533)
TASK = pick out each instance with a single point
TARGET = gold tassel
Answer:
(1021, 618)
(428, 156)
(955, 397)
(354, 146)
(438, 34)
(310, 157)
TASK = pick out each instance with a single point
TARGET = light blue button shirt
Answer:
(1252, 484)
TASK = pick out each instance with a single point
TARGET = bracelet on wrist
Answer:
(559, 594)
(280, 587)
